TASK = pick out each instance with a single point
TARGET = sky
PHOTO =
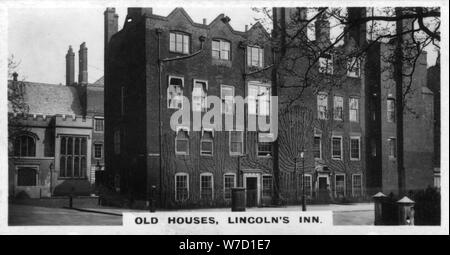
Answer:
(40, 37)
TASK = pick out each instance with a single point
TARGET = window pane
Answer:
(255, 56)
(69, 146)
(322, 105)
(252, 96)
(69, 167)
(216, 45)
(336, 147)
(317, 147)
(229, 181)
(185, 44)
(172, 42)
(76, 167)
(179, 43)
(338, 107)
(264, 100)
(77, 146)
(83, 146)
(354, 148)
(267, 186)
(340, 185)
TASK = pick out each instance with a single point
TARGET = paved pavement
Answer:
(28, 215)
(353, 214)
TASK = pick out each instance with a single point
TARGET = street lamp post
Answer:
(302, 155)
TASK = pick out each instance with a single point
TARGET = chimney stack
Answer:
(111, 25)
(83, 63)
(357, 33)
(15, 75)
(70, 67)
(322, 30)
(204, 21)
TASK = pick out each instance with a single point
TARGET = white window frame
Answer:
(182, 91)
(229, 143)
(335, 97)
(359, 147)
(310, 182)
(394, 110)
(353, 186)
(325, 99)
(353, 63)
(97, 118)
(224, 187)
(260, 53)
(212, 142)
(224, 100)
(270, 135)
(101, 151)
(350, 109)
(187, 185)
(222, 42)
(335, 184)
(332, 156)
(184, 36)
(212, 184)
(204, 102)
(186, 129)
(320, 145)
(326, 65)
(257, 100)
(262, 184)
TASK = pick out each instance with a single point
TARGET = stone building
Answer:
(54, 150)
(323, 136)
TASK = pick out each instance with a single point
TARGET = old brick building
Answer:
(323, 136)
(55, 146)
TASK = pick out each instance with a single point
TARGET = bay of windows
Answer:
(73, 157)
(179, 42)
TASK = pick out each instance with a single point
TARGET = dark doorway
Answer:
(252, 191)
(323, 190)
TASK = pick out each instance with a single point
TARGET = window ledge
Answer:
(221, 62)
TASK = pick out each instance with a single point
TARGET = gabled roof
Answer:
(182, 12)
(51, 99)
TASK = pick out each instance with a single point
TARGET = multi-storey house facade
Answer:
(323, 147)
(153, 61)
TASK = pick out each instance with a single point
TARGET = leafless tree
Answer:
(297, 54)
(17, 106)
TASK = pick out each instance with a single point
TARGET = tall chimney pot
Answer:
(83, 64)
(70, 67)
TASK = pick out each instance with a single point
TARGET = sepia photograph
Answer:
(212, 118)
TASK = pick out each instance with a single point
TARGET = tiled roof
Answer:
(95, 100)
(51, 99)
